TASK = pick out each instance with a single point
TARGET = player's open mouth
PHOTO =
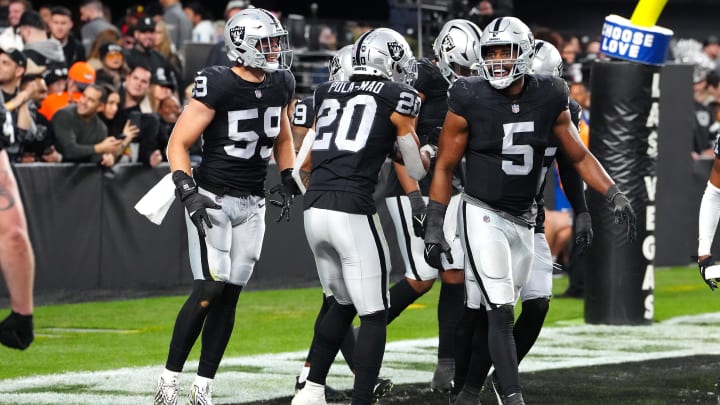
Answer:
(500, 72)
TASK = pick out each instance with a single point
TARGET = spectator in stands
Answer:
(45, 12)
(135, 106)
(164, 45)
(39, 138)
(13, 64)
(133, 14)
(80, 75)
(580, 93)
(203, 29)
(93, 16)
(169, 110)
(159, 91)
(9, 38)
(80, 134)
(144, 52)
(114, 69)
(218, 54)
(16, 254)
(178, 24)
(126, 131)
(487, 10)
(56, 78)
(61, 25)
(105, 37)
(37, 46)
(711, 48)
(705, 127)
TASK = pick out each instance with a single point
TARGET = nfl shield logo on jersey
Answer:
(258, 93)
(515, 108)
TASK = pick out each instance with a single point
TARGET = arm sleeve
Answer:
(572, 184)
(708, 218)
(66, 138)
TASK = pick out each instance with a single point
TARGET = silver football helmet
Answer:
(340, 66)
(457, 45)
(506, 31)
(255, 38)
(547, 59)
(384, 52)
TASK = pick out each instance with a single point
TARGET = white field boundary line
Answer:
(252, 378)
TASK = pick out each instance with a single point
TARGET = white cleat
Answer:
(309, 397)
(166, 392)
(199, 395)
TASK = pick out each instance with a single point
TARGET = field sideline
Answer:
(82, 350)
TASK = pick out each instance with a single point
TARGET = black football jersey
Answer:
(508, 137)
(433, 86)
(354, 136)
(238, 142)
(304, 113)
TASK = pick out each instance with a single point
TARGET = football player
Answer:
(708, 220)
(456, 50)
(535, 295)
(357, 123)
(16, 255)
(504, 145)
(339, 67)
(241, 114)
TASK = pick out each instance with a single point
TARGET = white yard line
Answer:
(252, 378)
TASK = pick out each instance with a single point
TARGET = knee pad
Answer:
(539, 306)
(377, 318)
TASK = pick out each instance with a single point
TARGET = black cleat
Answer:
(331, 394)
(382, 387)
(513, 399)
(16, 331)
(442, 380)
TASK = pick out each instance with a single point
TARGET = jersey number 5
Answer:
(510, 148)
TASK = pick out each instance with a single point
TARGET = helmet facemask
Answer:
(506, 49)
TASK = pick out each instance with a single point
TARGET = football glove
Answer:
(195, 203)
(583, 232)
(702, 266)
(435, 243)
(623, 210)
(287, 190)
(418, 213)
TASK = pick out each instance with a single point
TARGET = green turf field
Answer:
(107, 335)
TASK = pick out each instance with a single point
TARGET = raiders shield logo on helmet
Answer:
(396, 51)
(448, 44)
(237, 34)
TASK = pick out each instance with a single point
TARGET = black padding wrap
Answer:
(184, 184)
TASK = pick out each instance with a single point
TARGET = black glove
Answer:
(435, 243)
(195, 203)
(418, 213)
(703, 265)
(583, 232)
(624, 213)
(287, 189)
